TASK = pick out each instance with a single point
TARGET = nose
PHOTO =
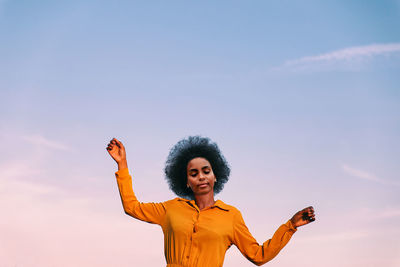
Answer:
(202, 176)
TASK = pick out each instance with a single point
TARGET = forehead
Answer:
(198, 163)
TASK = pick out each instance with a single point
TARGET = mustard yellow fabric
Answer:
(200, 238)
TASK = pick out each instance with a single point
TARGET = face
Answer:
(200, 176)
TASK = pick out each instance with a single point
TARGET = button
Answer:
(187, 257)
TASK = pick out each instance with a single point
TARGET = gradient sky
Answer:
(301, 96)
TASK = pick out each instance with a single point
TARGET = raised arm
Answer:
(260, 254)
(254, 252)
(149, 212)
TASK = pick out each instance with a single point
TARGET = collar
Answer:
(218, 204)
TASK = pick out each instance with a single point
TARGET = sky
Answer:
(302, 97)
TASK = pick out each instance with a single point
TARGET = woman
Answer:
(197, 229)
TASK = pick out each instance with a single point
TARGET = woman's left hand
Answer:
(303, 217)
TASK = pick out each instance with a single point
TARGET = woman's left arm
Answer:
(260, 254)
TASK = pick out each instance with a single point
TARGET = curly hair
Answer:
(186, 150)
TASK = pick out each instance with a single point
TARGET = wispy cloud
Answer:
(350, 53)
(11, 182)
(16, 170)
(335, 237)
(37, 216)
(349, 57)
(390, 213)
(45, 142)
(366, 175)
(382, 213)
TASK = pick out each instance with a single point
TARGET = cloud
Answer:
(347, 58)
(45, 142)
(366, 175)
(87, 231)
(383, 213)
(350, 53)
(16, 186)
(390, 213)
(335, 237)
(18, 169)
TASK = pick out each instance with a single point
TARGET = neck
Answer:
(204, 201)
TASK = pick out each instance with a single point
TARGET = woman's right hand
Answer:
(117, 151)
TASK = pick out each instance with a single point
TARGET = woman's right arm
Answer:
(149, 212)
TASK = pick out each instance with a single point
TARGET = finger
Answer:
(117, 141)
(310, 210)
(304, 216)
(114, 141)
(308, 216)
(305, 209)
(119, 144)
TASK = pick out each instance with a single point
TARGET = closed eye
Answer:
(206, 169)
(193, 172)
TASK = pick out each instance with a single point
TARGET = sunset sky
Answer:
(302, 97)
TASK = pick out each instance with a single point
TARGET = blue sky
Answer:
(301, 96)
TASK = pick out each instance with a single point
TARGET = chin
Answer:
(203, 192)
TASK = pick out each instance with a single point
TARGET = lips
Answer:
(203, 185)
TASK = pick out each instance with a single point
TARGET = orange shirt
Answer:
(194, 237)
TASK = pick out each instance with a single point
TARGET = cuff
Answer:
(121, 174)
(291, 227)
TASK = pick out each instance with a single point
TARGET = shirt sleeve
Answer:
(148, 212)
(260, 254)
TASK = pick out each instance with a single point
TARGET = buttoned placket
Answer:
(192, 238)
(195, 218)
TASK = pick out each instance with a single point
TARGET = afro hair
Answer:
(186, 150)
